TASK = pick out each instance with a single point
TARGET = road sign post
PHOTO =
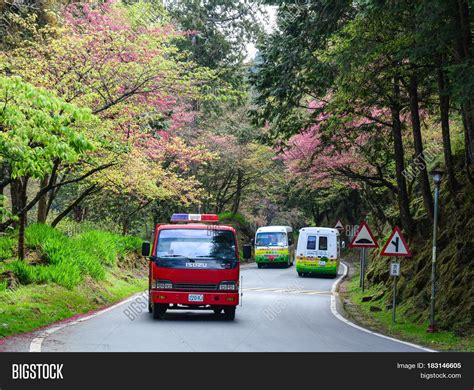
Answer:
(395, 273)
(395, 246)
(362, 269)
(363, 239)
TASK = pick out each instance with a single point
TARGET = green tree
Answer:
(37, 129)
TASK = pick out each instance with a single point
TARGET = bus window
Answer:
(323, 243)
(270, 239)
(311, 245)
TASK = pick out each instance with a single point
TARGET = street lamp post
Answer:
(437, 175)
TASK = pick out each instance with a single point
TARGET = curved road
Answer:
(280, 312)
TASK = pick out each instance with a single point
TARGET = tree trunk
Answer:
(399, 155)
(315, 213)
(23, 184)
(125, 227)
(418, 143)
(444, 110)
(71, 207)
(462, 23)
(238, 192)
(15, 197)
(43, 202)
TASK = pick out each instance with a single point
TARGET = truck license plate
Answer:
(196, 297)
(322, 263)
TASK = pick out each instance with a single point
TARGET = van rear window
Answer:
(311, 244)
(323, 243)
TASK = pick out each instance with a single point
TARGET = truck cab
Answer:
(194, 265)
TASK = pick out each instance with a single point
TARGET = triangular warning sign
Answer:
(363, 238)
(396, 245)
(338, 225)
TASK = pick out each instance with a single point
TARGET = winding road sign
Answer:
(396, 245)
(363, 238)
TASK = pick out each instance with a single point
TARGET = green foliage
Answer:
(228, 216)
(64, 260)
(221, 30)
(406, 327)
(37, 233)
(29, 307)
(6, 245)
(106, 246)
(38, 128)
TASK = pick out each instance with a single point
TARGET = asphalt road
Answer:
(280, 312)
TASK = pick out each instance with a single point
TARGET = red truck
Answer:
(194, 264)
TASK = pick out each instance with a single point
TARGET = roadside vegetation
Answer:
(63, 276)
(373, 309)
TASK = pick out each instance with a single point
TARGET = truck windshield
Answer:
(270, 239)
(196, 244)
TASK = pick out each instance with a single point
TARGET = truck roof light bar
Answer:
(194, 218)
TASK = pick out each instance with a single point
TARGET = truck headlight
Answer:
(163, 284)
(228, 286)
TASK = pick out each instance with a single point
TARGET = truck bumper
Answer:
(183, 298)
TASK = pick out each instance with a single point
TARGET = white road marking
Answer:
(37, 342)
(285, 290)
(345, 320)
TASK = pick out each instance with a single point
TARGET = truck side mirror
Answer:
(247, 251)
(146, 249)
(252, 242)
(290, 242)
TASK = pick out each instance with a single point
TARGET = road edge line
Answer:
(37, 342)
(346, 321)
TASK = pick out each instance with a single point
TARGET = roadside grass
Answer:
(29, 307)
(67, 260)
(63, 275)
(405, 327)
(6, 245)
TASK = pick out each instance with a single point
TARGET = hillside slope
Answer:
(455, 268)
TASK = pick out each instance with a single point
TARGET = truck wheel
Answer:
(300, 274)
(259, 265)
(229, 313)
(159, 311)
(150, 307)
(217, 310)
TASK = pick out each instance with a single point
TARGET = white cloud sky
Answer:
(268, 23)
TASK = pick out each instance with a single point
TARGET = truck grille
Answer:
(194, 287)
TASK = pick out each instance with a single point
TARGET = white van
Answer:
(274, 245)
(318, 251)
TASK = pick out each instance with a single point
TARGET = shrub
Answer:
(6, 247)
(229, 216)
(38, 233)
(70, 259)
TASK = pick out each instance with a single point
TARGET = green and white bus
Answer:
(318, 251)
(274, 245)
